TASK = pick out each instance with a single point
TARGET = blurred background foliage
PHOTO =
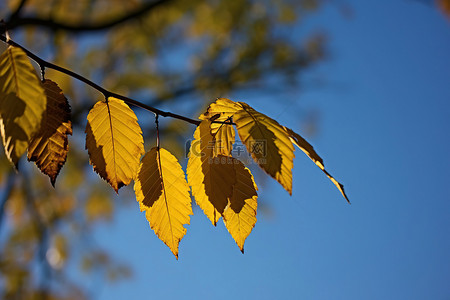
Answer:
(173, 54)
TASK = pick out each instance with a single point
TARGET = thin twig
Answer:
(157, 131)
(105, 92)
(45, 64)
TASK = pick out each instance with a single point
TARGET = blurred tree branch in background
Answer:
(16, 21)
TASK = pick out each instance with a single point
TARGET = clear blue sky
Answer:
(384, 122)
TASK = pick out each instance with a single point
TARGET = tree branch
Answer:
(45, 64)
(14, 21)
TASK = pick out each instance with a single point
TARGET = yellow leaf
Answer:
(114, 142)
(240, 214)
(267, 142)
(303, 145)
(49, 146)
(221, 184)
(163, 193)
(22, 102)
(224, 136)
(221, 110)
(223, 139)
(211, 178)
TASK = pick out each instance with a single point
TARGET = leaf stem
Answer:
(42, 73)
(157, 130)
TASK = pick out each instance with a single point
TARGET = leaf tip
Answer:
(343, 193)
(346, 198)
